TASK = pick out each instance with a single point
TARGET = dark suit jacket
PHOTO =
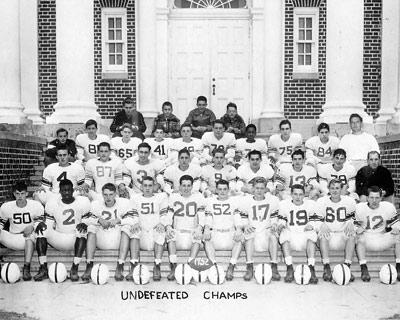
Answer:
(120, 118)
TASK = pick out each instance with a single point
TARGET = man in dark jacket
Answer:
(200, 118)
(61, 140)
(128, 115)
(168, 121)
(374, 174)
(233, 122)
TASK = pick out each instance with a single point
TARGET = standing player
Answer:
(260, 218)
(373, 219)
(87, 143)
(63, 229)
(125, 146)
(55, 172)
(319, 149)
(106, 219)
(184, 230)
(281, 146)
(22, 214)
(297, 225)
(194, 146)
(160, 145)
(337, 230)
(245, 145)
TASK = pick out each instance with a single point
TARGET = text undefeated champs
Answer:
(178, 295)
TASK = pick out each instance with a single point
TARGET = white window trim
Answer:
(299, 70)
(114, 71)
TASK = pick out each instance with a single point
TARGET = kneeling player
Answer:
(297, 232)
(106, 219)
(222, 229)
(68, 233)
(260, 212)
(148, 232)
(337, 230)
(22, 214)
(373, 218)
(184, 230)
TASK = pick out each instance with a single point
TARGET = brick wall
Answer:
(21, 158)
(372, 55)
(110, 93)
(303, 99)
(390, 153)
(47, 55)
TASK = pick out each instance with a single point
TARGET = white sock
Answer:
(288, 260)
(325, 261)
(189, 260)
(134, 261)
(77, 260)
(397, 260)
(42, 259)
(173, 258)
(311, 261)
(120, 261)
(232, 261)
(363, 262)
(347, 261)
(157, 261)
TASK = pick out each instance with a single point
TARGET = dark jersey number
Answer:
(19, 218)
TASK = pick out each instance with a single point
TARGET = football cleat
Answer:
(73, 274)
(289, 273)
(327, 276)
(156, 272)
(313, 278)
(87, 274)
(229, 272)
(364, 273)
(26, 272)
(118, 276)
(275, 274)
(129, 277)
(42, 274)
(249, 272)
(351, 274)
(171, 275)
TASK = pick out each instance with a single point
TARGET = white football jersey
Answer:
(137, 171)
(357, 146)
(347, 175)
(125, 150)
(54, 173)
(222, 214)
(195, 146)
(87, 148)
(287, 176)
(152, 210)
(186, 213)
(66, 216)
(245, 147)
(210, 175)
(101, 173)
(296, 217)
(160, 149)
(227, 141)
(376, 220)
(173, 173)
(246, 174)
(336, 214)
(20, 218)
(318, 152)
(284, 149)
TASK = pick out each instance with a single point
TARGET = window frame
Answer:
(110, 71)
(306, 71)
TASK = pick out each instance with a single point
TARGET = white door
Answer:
(210, 58)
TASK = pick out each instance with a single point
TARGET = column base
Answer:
(35, 116)
(340, 112)
(73, 112)
(12, 113)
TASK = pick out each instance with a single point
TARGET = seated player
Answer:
(319, 149)
(253, 169)
(148, 232)
(194, 145)
(142, 166)
(125, 146)
(211, 174)
(61, 140)
(296, 172)
(23, 214)
(337, 230)
(87, 143)
(260, 217)
(220, 139)
(173, 173)
(340, 169)
(160, 145)
(281, 145)
(102, 170)
(222, 229)
(62, 229)
(105, 221)
(184, 230)
(374, 219)
(297, 227)
(55, 172)
(245, 145)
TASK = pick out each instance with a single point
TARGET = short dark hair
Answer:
(128, 100)
(335, 181)
(231, 105)
(104, 144)
(283, 122)
(355, 115)
(91, 122)
(323, 125)
(220, 122)
(201, 98)
(251, 126)
(186, 177)
(144, 145)
(297, 186)
(147, 178)
(222, 182)
(218, 150)
(298, 152)
(109, 186)
(166, 103)
(182, 151)
(61, 130)
(126, 126)
(256, 152)
(373, 152)
(374, 189)
(66, 182)
(339, 151)
(20, 186)
(186, 125)
(61, 147)
(259, 180)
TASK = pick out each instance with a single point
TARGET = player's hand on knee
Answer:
(123, 191)
(324, 232)
(249, 229)
(28, 231)
(170, 233)
(159, 228)
(238, 235)
(275, 228)
(105, 224)
(136, 228)
(308, 227)
(114, 222)
(207, 234)
(40, 228)
(395, 232)
(198, 233)
(82, 227)
(360, 230)
(349, 230)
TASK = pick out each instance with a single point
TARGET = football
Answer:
(388, 274)
(201, 264)
(57, 272)
(263, 273)
(341, 274)
(10, 272)
(302, 274)
(99, 274)
(183, 273)
(200, 276)
(216, 274)
(141, 274)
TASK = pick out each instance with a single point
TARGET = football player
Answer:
(160, 145)
(194, 145)
(87, 143)
(282, 145)
(106, 219)
(378, 229)
(63, 229)
(337, 231)
(186, 215)
(125, 146)
(245, 145)
(23, 215)
(260, 217)
(297, 227)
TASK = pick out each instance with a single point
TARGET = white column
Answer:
(146, 51)
(273, 58)
(10, 67)
(75, 63)
(162, 53)
(344, 61)
(29, 60)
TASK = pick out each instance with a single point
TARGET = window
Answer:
(114, 43)
(204, 4)
(305, 60)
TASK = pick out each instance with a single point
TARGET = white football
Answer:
(57, 272)
(10, 272)
(388, 274)
(302, 274)
(216, 274)
(141, 274)
(183, 273)
(341, 274)
(99, 274)
(200, 276)
(263, 273)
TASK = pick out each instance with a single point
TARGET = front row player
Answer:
(373, 219)
(23, 215)
(63, 229)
